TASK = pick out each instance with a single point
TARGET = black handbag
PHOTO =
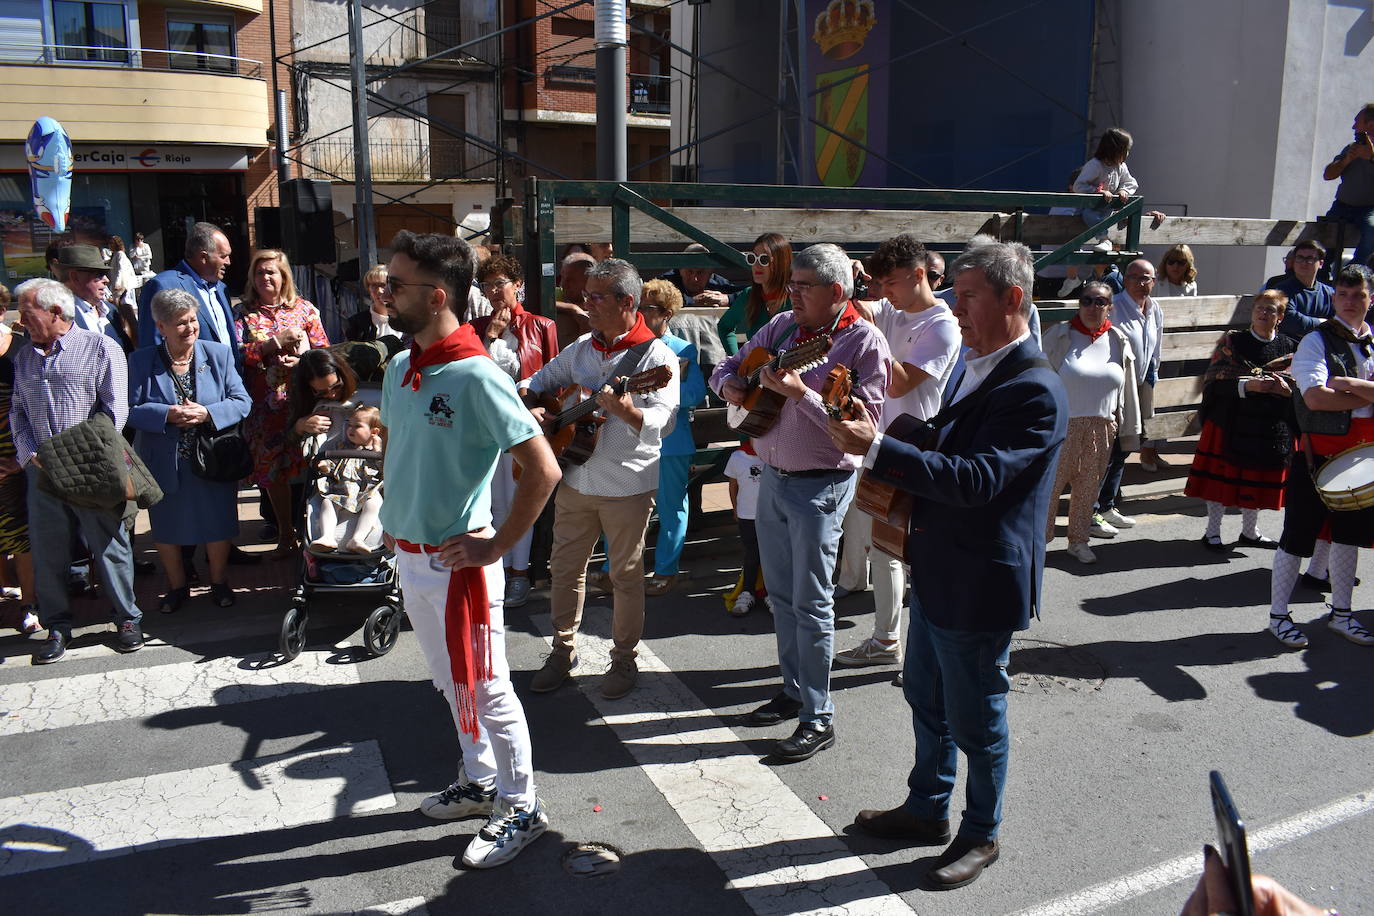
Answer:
(218, 455)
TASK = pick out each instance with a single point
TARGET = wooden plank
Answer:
(1170, 425)
(800, 226)
(1190, 345)
(1178, 392)
(1192, 230)
(1190, 312)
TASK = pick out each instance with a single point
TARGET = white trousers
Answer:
(888, 573)
(500, 757)
(503, 486)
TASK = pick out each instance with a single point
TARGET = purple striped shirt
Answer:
(84, 372)
(799, 441)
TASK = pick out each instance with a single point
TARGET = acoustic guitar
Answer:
(762, 406)
(576, 426)
(889, 507)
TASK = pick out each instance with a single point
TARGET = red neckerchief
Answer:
(847, 317)
(636, 335)
(748, 448)
(467, 634)
(461, 344)
(1077, 324)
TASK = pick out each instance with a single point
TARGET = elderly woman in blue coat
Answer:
(175, 387)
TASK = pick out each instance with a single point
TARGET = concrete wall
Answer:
(1236, 106)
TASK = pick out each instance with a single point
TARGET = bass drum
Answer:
(1346, 482)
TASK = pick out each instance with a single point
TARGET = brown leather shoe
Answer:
(961, 864)
(901, 824)
(556, 669)
(659, 585)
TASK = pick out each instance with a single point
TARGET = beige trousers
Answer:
(1082, 462)
(578, 521)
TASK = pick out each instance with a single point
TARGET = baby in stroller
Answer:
(346, 504)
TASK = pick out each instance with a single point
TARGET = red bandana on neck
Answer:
(461, 344)
(636, 335)
(1077, 324)
(847, 317)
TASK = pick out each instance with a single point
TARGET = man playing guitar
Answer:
(613, 491)
(807, 484)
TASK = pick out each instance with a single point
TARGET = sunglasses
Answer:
(763, 260)
(1177, 261)
(1096, 301)
(396, 284)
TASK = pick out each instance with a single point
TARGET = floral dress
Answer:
(275, 458)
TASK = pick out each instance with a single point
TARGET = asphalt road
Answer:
(197, 777)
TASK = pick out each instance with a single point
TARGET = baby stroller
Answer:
(342, 572)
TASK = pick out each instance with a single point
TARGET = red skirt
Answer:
(1216, 478)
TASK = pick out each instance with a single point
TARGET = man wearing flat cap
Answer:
(83, 271)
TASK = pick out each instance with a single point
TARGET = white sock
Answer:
(1318, 567)
(1249, 522)
(1215, 511)
(1344, 558)
(1281, 582)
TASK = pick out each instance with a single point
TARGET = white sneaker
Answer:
(1100, 528)
(1286, 631)
(1344, 623)
(462, 799)
(1082, 553)
(870, 652)
(9, 593)
(30, 624)
(743, 604)
(517, 591)
(1103, 247)
(1114, 518)
(508, 831)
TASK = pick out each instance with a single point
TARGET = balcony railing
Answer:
(650, 94)
(134, 58)
(400, 160)
(418, 33)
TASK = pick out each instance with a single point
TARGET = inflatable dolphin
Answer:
(49, 151)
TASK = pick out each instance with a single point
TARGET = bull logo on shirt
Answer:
(439, 413)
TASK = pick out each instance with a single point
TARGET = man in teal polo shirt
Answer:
(450, 413)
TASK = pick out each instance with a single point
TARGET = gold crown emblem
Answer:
(842, 27)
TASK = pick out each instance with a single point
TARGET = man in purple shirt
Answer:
(61, 380)
(807, 485)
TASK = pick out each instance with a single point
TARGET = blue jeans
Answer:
(51, 526)
(672, 512)
(1111, 479)
(1362, 217)
(799, 522)
(956, 684)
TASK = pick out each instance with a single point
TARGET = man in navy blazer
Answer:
(976, 548)
(200, 273)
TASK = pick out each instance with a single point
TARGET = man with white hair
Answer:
(807, 484)
(62, 379)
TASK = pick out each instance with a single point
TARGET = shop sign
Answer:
(112, 158)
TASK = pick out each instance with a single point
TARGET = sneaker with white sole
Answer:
(1282, 628)
(1081, 552)
(517, 591)
(30, 624)
(1114, 518)
(1344, 623)
(508, 831)
(743, 604)
(870, 652)
(1101, 528)
(462, 799)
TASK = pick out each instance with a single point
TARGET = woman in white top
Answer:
(1177, 273)
(1097, 366)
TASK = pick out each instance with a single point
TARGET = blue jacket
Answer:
(183, 277)
(977, 544)
(1307, 306)
(152, 391)
(691, 392)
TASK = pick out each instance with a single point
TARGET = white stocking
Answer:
(1249, 522)
(1215, 511)
(1281, 584)
(1343, 560)
(1318, 567)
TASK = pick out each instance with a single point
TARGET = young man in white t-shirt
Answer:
(924, 338)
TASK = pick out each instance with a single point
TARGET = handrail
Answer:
(127, 57)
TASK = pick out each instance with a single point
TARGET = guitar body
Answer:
(762, 406)
(581, 443)
(576, 426)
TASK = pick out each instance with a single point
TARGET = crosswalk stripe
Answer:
(411, 906)
(772, 847)
(127, 693)
(81, 824)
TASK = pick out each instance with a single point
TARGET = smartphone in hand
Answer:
(1234, 852)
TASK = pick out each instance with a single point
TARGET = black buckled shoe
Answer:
(776, 710)
(130, 637)
(53, 648)
(806, 742)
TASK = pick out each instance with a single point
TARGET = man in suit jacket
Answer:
(976, 549)
(200, 273)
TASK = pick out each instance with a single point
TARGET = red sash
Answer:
(1361, 431)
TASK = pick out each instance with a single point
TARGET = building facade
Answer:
(167, 109)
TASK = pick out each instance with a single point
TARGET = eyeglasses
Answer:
(1100, 302)
(1307, 258)
(1173, 261)
(395, 285)
(492, 286)
(794, 287)
(654, 308)
(763, 260)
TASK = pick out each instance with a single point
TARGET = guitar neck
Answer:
(582, 408)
